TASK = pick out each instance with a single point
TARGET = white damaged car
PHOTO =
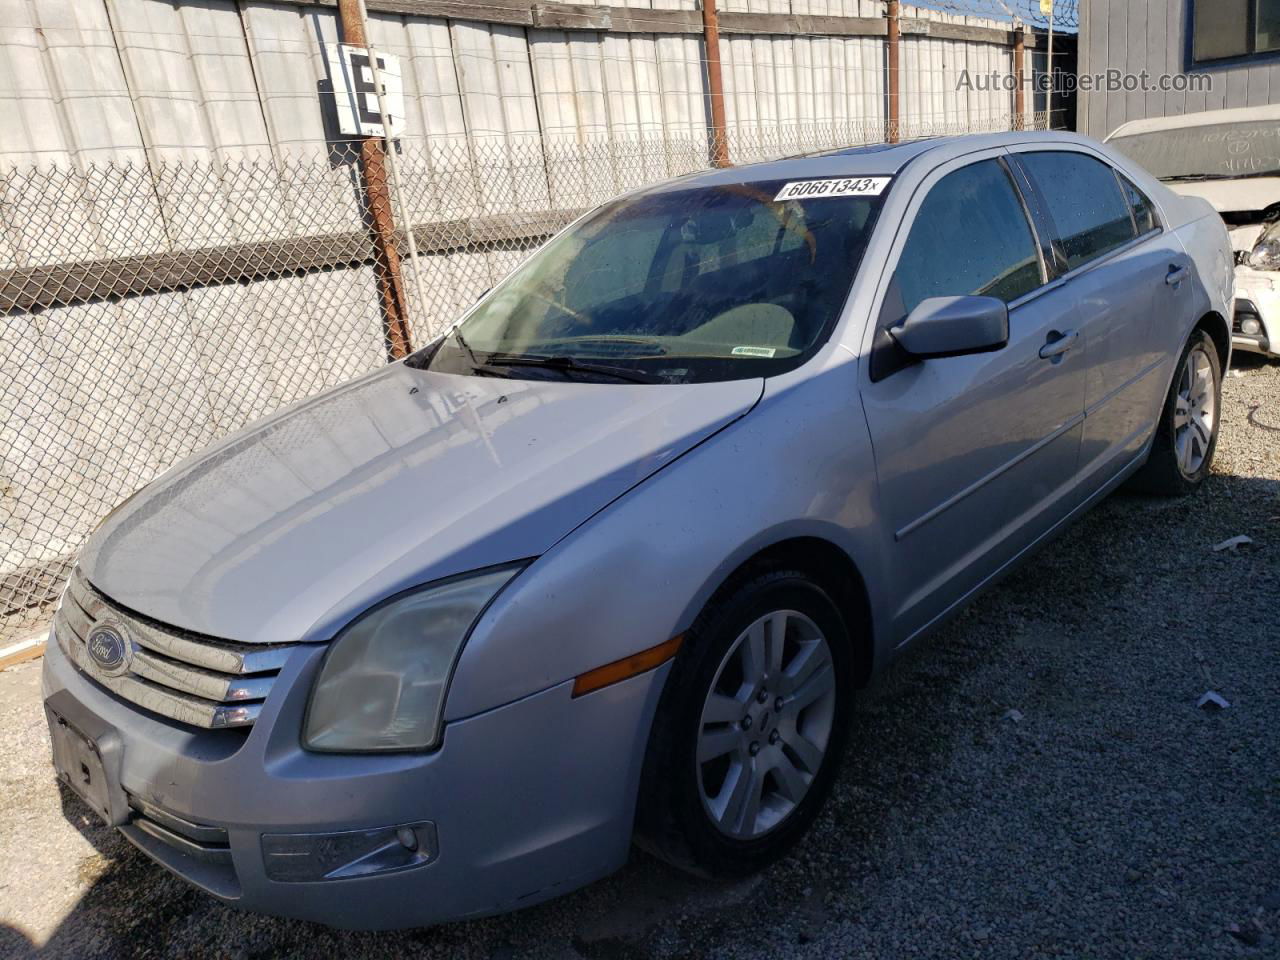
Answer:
(1232, 159)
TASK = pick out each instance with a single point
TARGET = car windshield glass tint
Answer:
(711, 283)
(1214, 150)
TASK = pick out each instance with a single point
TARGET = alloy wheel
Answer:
(766, 723)
(1194, 411)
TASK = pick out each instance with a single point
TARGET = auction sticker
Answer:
(847, 187)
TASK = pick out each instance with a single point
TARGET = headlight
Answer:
(1266, 252)
(383, 682)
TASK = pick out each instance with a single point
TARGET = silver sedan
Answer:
(606, 562)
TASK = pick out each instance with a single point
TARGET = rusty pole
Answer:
(393, 164)
(715, 86)
(382, 228)
(1019, 93)
(893, 123)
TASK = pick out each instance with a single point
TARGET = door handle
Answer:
(1060, 344)
(1175, 275)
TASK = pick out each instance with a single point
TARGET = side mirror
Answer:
(953, 327)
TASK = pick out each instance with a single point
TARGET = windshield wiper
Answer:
(567, 364)
(477, 366)
(462, 342)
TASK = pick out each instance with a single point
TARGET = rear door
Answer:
(1128, 275)
(973, 454)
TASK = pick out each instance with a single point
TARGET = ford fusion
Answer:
(605, 563)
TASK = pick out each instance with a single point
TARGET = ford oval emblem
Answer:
(109, 648)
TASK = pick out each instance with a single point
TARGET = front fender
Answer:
(636, 574)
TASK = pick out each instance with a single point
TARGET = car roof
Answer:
(882, 159)
(1264, 112)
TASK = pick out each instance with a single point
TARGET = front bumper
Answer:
(1257, 296)
(528, 800)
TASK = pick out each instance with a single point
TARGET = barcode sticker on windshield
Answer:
(848, 187)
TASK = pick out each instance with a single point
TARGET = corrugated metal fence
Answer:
(185, 241)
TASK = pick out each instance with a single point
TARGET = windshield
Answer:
(1216, 150)
(710, 283)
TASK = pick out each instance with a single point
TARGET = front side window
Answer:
(1084, 200)
(970, 236)
(707, 283)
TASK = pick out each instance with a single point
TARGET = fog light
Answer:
(308, 857)
(1250, 326)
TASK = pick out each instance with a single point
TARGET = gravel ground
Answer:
(1112, 818)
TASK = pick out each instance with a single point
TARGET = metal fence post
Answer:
(715, 84)
(1019, 92)
(893, 121)
(382, 227)
(1048, 60)
(394, 165)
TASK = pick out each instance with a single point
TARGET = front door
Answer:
(974, 454)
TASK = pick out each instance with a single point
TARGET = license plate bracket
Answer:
(86, 757)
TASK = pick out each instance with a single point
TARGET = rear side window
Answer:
(971, 236)
(1083, 196)
(1144, 213)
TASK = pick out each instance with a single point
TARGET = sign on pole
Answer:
(354, 94)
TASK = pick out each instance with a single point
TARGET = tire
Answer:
(688, 812)
(1171, 471)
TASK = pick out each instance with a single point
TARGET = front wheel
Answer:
(749, 730)
(1187, 434)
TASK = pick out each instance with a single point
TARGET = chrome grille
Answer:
(184, 676)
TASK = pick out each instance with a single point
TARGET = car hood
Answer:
(1232, 196)
(286, 530)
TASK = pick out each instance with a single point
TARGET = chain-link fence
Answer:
(151, 309)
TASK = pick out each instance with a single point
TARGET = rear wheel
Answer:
(749, 730)
(1187, 434)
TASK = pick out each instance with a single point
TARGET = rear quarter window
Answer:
(1144, 212)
